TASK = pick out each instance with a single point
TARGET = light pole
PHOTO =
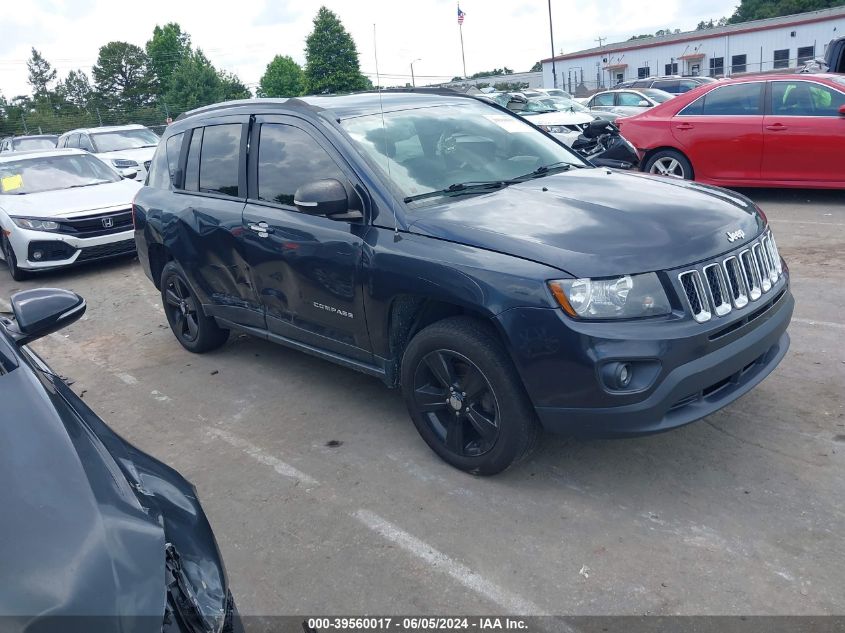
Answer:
(414, 81)
(552, 38)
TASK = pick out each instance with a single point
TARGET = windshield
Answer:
(124, 139)
(538, 105)
(41, 142)
(658, 95)
(49, 173)
(429, 149)
(565, 105)
(557, 92)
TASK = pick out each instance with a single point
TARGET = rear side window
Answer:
(220, 159)
(629, 99)
(85, 143)
(165, 162)
(192, 168)
(733, 100)
(671, 85)
(288, 158)
(603, 100)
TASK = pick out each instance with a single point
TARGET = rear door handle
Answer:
(684, 126)
(261, 228)
(777, 127)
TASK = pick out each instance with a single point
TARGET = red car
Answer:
(762, 131)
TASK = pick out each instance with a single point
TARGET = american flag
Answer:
(461, 15)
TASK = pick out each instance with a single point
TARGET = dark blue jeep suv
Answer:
(456, 251)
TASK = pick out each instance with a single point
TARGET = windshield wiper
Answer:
(460, 188)
(543, 170)
(88, 184)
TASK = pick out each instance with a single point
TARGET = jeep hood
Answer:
(595, 222)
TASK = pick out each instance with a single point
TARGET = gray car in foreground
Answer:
(95, 534)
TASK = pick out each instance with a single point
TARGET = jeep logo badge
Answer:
(109, 222)
(733, 236)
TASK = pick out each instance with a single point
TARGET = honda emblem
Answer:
(108, 223)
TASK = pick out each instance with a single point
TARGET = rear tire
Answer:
(466, 398)
(668, 162)
(195, 331)
(16, 272)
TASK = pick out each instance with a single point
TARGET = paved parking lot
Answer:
(324, 498)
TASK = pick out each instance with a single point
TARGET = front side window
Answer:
(804, 98)
(116, 140)
(51, 173)
(670, 85)
(288, 158)
(220, 159)
(85, 143)
(429, 149)
(657, 95)
(629, 99)
(781, 58)
(738, 63)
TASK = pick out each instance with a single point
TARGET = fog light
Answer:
(624, 375)
(617, 376)
(37, 255)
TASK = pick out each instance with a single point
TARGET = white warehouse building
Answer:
(775, 44)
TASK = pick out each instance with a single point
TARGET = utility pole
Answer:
(25, 129)
(414, 81)
(601, 41)
(552, 39)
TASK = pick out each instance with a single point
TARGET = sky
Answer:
(242, 37)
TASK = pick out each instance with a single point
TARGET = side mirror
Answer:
(322, 197)
(644, 104)
(42, 311)
(128, 174)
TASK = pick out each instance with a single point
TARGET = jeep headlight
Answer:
(36, 225)
(626, 297)
(123, 163)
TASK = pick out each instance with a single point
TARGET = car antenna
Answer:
(384, 135)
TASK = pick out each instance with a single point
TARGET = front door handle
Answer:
(776, 127)
(261, 228)
(684, 126)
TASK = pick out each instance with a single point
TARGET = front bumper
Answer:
(59, 250)
(696, 369)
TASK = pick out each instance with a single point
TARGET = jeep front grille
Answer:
(719, 287)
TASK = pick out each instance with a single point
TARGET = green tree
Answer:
(41, 74)
(283, 78)
(122, 76)
(168, 46)
(231, 87)
(761, 9)
(537, 67)
(331, 57)
(75, 89)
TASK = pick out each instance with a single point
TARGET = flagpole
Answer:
(461, 31)
(463, 59)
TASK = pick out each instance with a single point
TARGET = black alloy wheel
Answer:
(456, 399)
(465, 396)
(196, 332)
(182, 309)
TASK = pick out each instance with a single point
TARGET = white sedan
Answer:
(62, 207)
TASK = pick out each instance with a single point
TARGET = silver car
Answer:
(627, 102)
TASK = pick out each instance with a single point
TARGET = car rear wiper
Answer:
(460, 188)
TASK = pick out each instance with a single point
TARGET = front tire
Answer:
(15, 271)
(195, 331)
(668, 162)
(465, 397)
